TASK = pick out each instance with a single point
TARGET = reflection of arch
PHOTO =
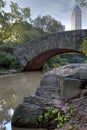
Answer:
(38, 61)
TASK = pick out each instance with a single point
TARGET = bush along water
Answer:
(54, 118)
(7, 61)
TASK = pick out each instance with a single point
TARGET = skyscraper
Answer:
(76, 19)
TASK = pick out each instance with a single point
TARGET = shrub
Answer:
(7, 47)
(7, 60)
(54, 118)
(84, 47)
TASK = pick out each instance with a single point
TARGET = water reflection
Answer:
(12, 90)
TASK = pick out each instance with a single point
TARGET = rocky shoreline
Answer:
(60, 88)
(10, 71)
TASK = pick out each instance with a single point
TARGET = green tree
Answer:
(18, 14)
(16, 26)
(4, 22)
(12, 20)
(23, 32)
(64, 59)
(47, 24)
(84, 48)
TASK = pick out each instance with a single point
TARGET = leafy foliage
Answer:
(47, 24)
(10, 22)
(54, 117)
(7, 60)
(63, 59)
(17, 27)
(23, 32)
(84, 48)
(6, 46)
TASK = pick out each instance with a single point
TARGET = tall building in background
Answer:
(76, 18)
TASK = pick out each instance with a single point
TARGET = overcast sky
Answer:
(61, 10)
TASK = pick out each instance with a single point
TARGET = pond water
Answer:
(13, 88)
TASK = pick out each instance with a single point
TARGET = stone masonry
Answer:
(33, 54)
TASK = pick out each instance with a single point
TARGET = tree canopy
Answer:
(47, 24)
(17, 27)
(11, 23)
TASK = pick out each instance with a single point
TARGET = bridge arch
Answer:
(34, 54)
(38, 61)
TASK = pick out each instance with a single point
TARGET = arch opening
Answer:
(38, 62)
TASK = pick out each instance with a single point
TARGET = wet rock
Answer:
(83, 73)
(37, 100)
(49, 79)
(66, 82)
(70, 87)
(49, 92)
(75, 65)
(26, 115)
(11, 71)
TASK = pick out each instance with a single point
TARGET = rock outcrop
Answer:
(67, 82)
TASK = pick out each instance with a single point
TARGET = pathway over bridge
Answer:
(32, 55)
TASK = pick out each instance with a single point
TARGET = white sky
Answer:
(61, 10)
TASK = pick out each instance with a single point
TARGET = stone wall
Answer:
(32, 55)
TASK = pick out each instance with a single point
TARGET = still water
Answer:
(12, 90)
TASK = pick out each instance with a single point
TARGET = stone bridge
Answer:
(33, 54)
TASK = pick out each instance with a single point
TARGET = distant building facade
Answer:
(76, 18)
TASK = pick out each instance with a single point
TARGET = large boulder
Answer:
(66, 82)
(49, 79)
(49, 92)
(37, 100)
(26, 115)
(70, 88)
